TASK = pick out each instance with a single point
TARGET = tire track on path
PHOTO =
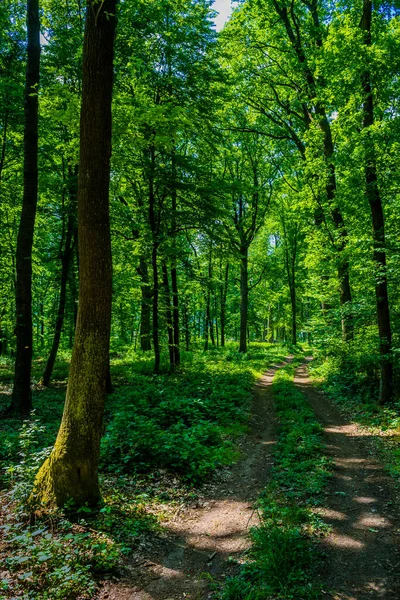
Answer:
(362, 552)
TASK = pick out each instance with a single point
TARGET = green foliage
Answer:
(54, 565)
(283, 559)
(30, 457)
(184, 422)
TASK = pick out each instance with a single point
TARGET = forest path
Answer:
(201, 540)
(362, 551)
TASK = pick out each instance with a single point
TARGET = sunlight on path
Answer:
(363, 548)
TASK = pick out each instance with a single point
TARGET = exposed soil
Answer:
(362, 552)
(207, 540)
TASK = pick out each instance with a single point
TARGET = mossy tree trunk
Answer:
(71, 471)
(22, 399)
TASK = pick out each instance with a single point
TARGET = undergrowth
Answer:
(180, 425)
(283, 557)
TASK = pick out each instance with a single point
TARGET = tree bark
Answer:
(66, 258)
(378, 224)
(145, 320)
(186, 325)
(156, 338)
(22, 398)
(244, 297)
(175, 313)
(168, 315)
(71, 471)
(224, 292)
(207, 320)
(154, 226)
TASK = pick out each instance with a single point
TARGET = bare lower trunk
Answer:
(156, 339)
(186, 325)
(66, 258)
(21, 398)
(168, 315)
(207, 321)
(244, 298)
(224, 292)
(65, 262)
(175, 313)
(145, 320)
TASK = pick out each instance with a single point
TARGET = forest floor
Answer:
(211, 537)
(202, 544)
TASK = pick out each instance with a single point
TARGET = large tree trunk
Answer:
(244, 297)
(71, 471)
(378, 224)
(22, 398)
(145, 320)
(66, 258)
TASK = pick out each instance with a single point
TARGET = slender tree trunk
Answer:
(71, 471)
(290, 259)
(41, 336)
(294, 314)
(343, 269)
(186, 325)
(211, 325)
(224, 293)
(168, 315)
(145, 320)
(175, 312)
(378, 224)
(244, 297)
(66, 257)
(294, 36)
(154, 226)
(21, 398)
(216, 321)
(207, 320)
(156, 338)
(174, 272)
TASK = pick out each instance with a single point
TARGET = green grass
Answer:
(283, 559)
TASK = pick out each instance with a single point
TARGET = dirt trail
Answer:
(362, 552)
(202, 540)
